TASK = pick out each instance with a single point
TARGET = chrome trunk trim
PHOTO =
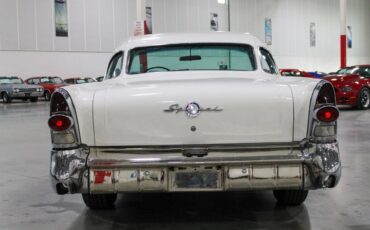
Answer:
(253, 147)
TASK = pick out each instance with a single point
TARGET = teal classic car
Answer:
(14, 88)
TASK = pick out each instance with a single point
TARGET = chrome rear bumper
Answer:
(113, 170)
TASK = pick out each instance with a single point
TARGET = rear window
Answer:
(184, 57)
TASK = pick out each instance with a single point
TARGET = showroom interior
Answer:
(77, 40)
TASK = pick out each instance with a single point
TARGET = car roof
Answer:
(354, 66)
(181, 38)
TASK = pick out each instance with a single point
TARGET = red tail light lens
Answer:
(327, 114)
(60, 122)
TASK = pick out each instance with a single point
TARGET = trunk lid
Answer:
(150, 110)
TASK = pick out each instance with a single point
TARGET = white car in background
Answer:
(194, 112)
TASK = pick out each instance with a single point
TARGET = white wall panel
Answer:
(92, 25)
(8, 25)
(131, 17)
(290, 30)
(27, 29)
(171, 15)
(106, 25)
(182, 19)
(44, 26)
(158, 16)
(64, 64)
(97, 26)
(203, 12)
(192, 14)
(120, 21)
(76, 25)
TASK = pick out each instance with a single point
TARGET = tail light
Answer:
(63, 120)
(324, 114)
(60, 122)
(327, 114)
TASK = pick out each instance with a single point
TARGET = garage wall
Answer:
(187, 15)
(290, 30)
(29, 47)
(290, 26)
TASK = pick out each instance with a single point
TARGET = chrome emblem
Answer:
(192, 109)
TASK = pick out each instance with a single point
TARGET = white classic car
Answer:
(191, 113)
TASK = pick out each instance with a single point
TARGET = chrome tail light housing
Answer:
(63, 121)
(323, 114)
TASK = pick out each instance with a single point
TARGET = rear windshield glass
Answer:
(348, 70)
(182, 57)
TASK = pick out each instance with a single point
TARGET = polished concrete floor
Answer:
(27, 201)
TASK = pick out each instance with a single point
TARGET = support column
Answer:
(343, 37)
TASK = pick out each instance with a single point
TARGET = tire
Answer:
(6, 98)
(363, 99)
(99, 201)
(290, 197)
(34, 99)
(47, 95)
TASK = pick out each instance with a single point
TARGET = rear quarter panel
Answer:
(302, 90)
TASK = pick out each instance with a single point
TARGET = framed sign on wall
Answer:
(61, 18)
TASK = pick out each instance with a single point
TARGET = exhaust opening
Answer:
(329, 181)
(61, 189)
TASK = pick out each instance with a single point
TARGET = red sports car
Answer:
(49, 84)
(352, 86)
(295, 73)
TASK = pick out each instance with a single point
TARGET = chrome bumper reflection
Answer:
(243, 177)
(101, 171)
(68, 171)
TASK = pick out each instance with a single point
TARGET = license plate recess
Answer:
(196, 179)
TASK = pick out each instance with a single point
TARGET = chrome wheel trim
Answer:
(365, 98)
